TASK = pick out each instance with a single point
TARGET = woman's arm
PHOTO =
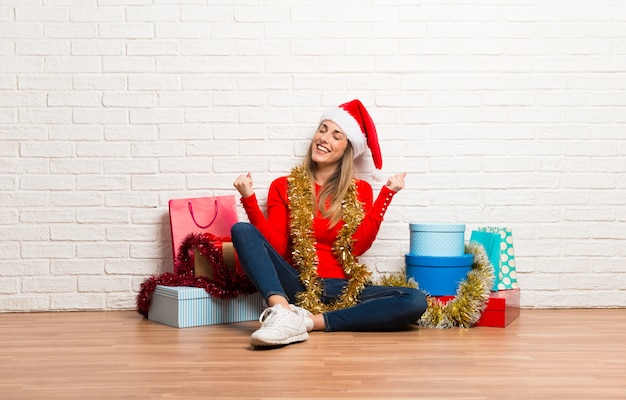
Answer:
(374, 212)
(275, 228)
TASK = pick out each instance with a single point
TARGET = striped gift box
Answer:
(184, 307)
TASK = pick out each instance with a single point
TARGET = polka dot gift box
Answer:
(437, 240)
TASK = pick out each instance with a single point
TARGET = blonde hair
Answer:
(332, 194)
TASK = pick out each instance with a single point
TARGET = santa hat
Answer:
(356, 123)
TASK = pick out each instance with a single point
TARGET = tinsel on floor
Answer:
(472, 295)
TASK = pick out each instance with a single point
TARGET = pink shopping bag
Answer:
(215, 215)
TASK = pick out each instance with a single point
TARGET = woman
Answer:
(303, 257)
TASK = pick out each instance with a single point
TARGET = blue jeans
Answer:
(380, 308)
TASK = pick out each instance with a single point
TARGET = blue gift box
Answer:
(437, 240)
(438, 276)
(184, 307)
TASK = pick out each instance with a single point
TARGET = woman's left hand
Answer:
(396, 182)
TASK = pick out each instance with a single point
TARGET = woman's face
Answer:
(328, 144)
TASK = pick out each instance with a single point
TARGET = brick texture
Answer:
(504, 113)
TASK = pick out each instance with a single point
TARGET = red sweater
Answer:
(275, 228)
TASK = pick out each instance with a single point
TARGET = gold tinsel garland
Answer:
(304, 254)
(464, 310)
(472, 295)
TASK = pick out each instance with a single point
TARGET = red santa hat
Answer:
(356, 123)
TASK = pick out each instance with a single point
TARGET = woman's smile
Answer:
(329, 143)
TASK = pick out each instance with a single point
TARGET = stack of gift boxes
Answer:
(438, 262)
(437, 259)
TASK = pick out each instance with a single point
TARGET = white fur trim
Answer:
(378, 175)
(350, 127)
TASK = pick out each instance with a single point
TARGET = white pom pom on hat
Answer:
(357, 124)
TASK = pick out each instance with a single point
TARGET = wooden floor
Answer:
(544, 354)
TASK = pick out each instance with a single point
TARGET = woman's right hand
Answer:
(243, 184)
(396, 182)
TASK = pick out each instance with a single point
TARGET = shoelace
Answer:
(266, 317)
(301, 311)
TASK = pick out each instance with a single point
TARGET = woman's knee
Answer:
(418, 302)
(241, 229)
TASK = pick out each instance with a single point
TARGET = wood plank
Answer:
(545, 354)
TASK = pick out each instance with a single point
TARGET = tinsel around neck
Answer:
(305, 258)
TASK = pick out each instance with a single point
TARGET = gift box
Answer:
(437, 240)
(438, 276)
(184, 307)
(203, 267)
(502, 308)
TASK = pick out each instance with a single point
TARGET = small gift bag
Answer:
(507, 273)
(215, 215)
(491, 242)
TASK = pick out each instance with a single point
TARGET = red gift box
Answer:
(502, 308)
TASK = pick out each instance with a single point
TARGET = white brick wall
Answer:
(502, 112)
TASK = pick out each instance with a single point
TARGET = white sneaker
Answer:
(280, 326)
(305, 313)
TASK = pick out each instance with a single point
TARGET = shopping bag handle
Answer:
(193, 217)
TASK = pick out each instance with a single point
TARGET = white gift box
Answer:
(184, 307)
